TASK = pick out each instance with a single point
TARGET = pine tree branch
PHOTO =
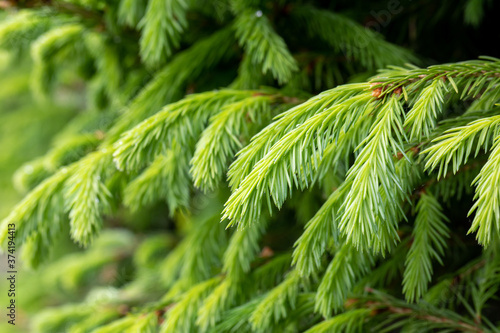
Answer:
(442, 318)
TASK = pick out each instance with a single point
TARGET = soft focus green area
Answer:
(26, 132)
(26, 127)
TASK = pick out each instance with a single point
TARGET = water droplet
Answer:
(64, 170)
(258, 13)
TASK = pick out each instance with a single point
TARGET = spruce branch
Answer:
(293, 159)
(162, 26)
(222, 298)
(220, 141)
(168, 85)
(87, 196)
(285, 122)
(319, 232)
(422, 116)
(170, 180)
(242, 249)
(348, 266)
(207, 243)
(38, 217)
(108, 65)
(373, 170)
(276, 304)
(172, 265)
(427, 315)
(350, 321)
(353, 40)
(182, 316)
(61, 42)
(487, 283)
(487, 206)
(237, 319)
(471, 78)
(130, 12)
(455, 146)
(264, 46)
(271, 272)
(21, 29)
(474, 11)
(182, 121)
(429, 241)
(65, 152)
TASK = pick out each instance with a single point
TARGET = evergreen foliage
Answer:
(248, 166)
